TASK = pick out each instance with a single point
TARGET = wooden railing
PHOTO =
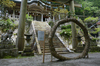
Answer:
(36, 39)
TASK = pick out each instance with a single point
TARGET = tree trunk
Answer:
(52, 33)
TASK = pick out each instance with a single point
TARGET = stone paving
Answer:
(93, 60)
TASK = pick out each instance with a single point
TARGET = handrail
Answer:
(38, 45)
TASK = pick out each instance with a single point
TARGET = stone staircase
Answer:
(58, 44)
(59, 47)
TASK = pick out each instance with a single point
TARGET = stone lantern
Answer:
(27, 49)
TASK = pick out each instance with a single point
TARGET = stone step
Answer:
(59, 50)
(45, 48)
(58, 53)
(54, 45)
(46, 51)
(62, 52)
(48, 46)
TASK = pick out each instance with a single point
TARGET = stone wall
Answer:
(8, 50)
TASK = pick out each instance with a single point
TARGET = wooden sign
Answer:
(41, 35)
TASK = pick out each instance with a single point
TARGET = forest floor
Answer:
(37, 60)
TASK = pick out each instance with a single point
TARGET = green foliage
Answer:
(44, 0)
(62, 13)
(51, 23)
(66, 31)
(7, 57)
(97, 12)
(94, 49)
(89, 8)
(95, 2)
(91, 19)
(66, 27)
(19, 57)
(7, 3)
(96, 30)
(6, 25)
(3, 7)
(29, 18)
(63, 27)
(94, 39)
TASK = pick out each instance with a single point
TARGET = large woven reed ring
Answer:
(52, 33)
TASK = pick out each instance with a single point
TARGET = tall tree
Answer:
(7, 3)
(89, 7)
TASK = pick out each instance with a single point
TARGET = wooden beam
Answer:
(76, 5)
(62, 2)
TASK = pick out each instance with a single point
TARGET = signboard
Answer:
(41, 35)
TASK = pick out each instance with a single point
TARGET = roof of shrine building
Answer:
(58, 1)
(48, 3)
(40, 6)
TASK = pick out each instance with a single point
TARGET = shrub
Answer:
(66, 31)
(91, 19)
(51, 23)
(66, 27)
(6, 25)
(29, 18)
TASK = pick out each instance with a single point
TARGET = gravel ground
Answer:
(93, 60)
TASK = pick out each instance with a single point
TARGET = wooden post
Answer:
(44, 48)
(21, 26)
(73, 27)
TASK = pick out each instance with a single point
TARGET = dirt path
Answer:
(94, 60)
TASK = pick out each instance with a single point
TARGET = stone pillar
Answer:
(73, 27)
(66, 15)
(28, 13)
(9, 15)
(21, 26)
(53, 18)
(13, 14)
(59, 17)
(41, 17)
